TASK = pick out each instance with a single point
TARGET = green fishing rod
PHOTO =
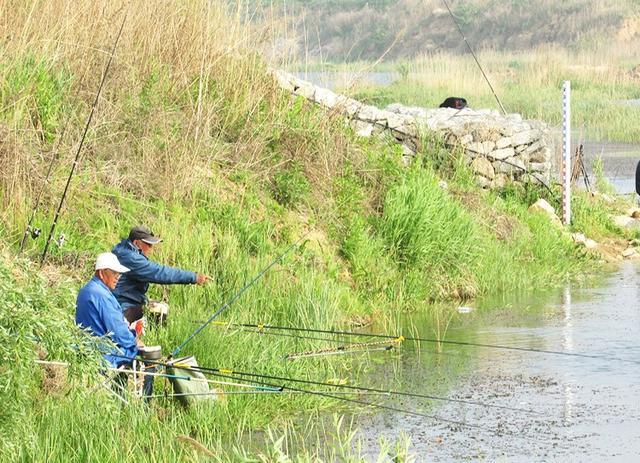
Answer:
(261, 327)
(236, 296)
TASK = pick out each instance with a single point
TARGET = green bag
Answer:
(192, 388)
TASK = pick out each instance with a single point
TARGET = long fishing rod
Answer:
(240, 375)
(54, 158)
(331, 394)
(227, 304)
(453, 18)
(431, 340)
(84, 135)
(274, 387)
(337, 350)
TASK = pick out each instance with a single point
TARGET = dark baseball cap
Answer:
(143, 234)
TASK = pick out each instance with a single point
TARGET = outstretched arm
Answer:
(152, 272)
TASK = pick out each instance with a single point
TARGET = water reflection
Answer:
(568, 346)
(589, 406)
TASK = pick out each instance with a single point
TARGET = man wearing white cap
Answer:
(98, 311)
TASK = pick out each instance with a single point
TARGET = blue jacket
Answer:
(98, 310)
(133, 285)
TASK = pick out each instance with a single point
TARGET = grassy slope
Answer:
(404, 29)
(198, 143)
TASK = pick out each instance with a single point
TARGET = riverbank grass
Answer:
(604, 96)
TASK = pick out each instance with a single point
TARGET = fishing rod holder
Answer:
(33, 232)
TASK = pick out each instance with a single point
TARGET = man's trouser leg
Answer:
(133, 313)
(147, 385)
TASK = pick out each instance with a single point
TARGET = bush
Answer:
(34, 321)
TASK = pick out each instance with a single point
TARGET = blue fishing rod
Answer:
(227, 304)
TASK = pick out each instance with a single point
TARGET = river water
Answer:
(577, 408)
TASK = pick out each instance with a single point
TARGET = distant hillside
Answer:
(348, 30)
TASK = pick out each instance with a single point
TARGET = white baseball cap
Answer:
(110, 261)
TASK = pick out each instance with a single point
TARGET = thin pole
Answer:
(84, 134)
(229, 373)
(566, 148)
(226, 305)
(54, 159)
(453, 18)
(497, 432)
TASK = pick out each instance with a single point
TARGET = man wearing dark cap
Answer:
(133, 252)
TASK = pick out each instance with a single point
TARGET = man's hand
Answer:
(201, 278)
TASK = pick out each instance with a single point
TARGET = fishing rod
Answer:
(362, 349)
(223, 393)
(224, 372)
(453, 18)
(54, 158)
(348, 347)
(430, 340)
(134, 372)
(497, 432)
(227, 304)
(337, 350)
(84, 135)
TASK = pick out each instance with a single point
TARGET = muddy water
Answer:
(582, 409)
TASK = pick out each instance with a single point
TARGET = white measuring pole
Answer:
(566, 152)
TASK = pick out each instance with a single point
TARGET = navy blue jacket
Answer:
(133, 285)
(98, 310)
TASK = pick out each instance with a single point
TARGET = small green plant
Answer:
(602, 184)
(403, 69)
(290, 186)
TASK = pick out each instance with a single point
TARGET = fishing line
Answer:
(231, 373)
(437, 341)
(227, 304)
(453, 18)
(84, 135)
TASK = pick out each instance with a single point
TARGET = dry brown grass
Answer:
(188, 98)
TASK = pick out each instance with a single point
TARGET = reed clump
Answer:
(187, 92)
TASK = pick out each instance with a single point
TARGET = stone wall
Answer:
(499, 149)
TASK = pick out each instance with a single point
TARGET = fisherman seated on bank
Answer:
(131, 290)
(98, 311)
